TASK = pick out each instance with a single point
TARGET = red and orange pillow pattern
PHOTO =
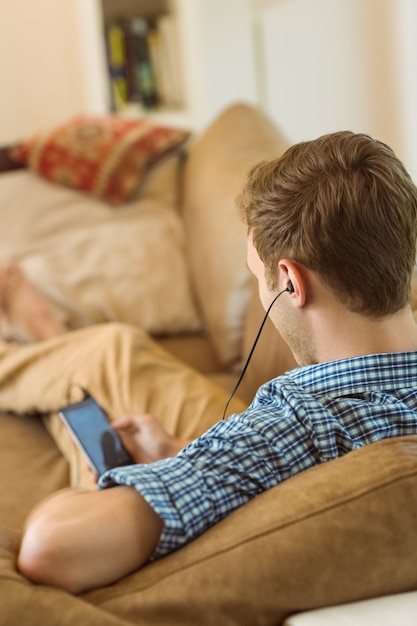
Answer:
(104, 155)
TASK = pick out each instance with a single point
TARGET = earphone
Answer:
(289, 289)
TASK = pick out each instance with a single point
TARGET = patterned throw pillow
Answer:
(106, 155)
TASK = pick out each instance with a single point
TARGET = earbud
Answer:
(290, 289)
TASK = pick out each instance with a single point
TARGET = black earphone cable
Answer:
(245, 367)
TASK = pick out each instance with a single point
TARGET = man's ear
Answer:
(292, 273)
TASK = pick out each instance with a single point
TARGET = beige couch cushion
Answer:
(31, 467)
(95, 263)
(216, 239)
(163, 180)
(340, 532)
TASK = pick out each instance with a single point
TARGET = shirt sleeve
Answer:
(217, 473)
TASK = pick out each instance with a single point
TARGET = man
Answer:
(332, 228)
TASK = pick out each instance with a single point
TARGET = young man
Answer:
(332, 228)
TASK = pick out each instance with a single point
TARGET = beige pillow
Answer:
(96, 264)
(216, 238)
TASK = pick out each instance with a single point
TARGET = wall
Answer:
(314, 65)
(44, 75)
(407, 80)
(218, 56)
(341, 64)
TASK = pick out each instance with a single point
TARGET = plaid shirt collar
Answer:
(355, 375)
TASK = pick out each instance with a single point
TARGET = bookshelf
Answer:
(143, 56)
(199, 57)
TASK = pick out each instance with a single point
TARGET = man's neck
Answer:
(346, 335)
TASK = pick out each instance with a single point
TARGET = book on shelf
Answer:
(140, 68)
(116, 57)
(170, 60)
(144, 62)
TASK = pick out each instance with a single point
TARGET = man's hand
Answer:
(146, 439)
(80, 540)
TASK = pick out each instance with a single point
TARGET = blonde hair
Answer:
(344, 206)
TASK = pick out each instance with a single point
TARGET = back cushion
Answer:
(216, 237)
(340, 532)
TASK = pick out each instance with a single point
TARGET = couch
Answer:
(161, 312)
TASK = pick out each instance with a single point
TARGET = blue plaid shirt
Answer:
(308, 416)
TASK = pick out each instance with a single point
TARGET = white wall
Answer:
(218, 55)
(44, 75)
(314, 65)
(341, 64)
(406, 36)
